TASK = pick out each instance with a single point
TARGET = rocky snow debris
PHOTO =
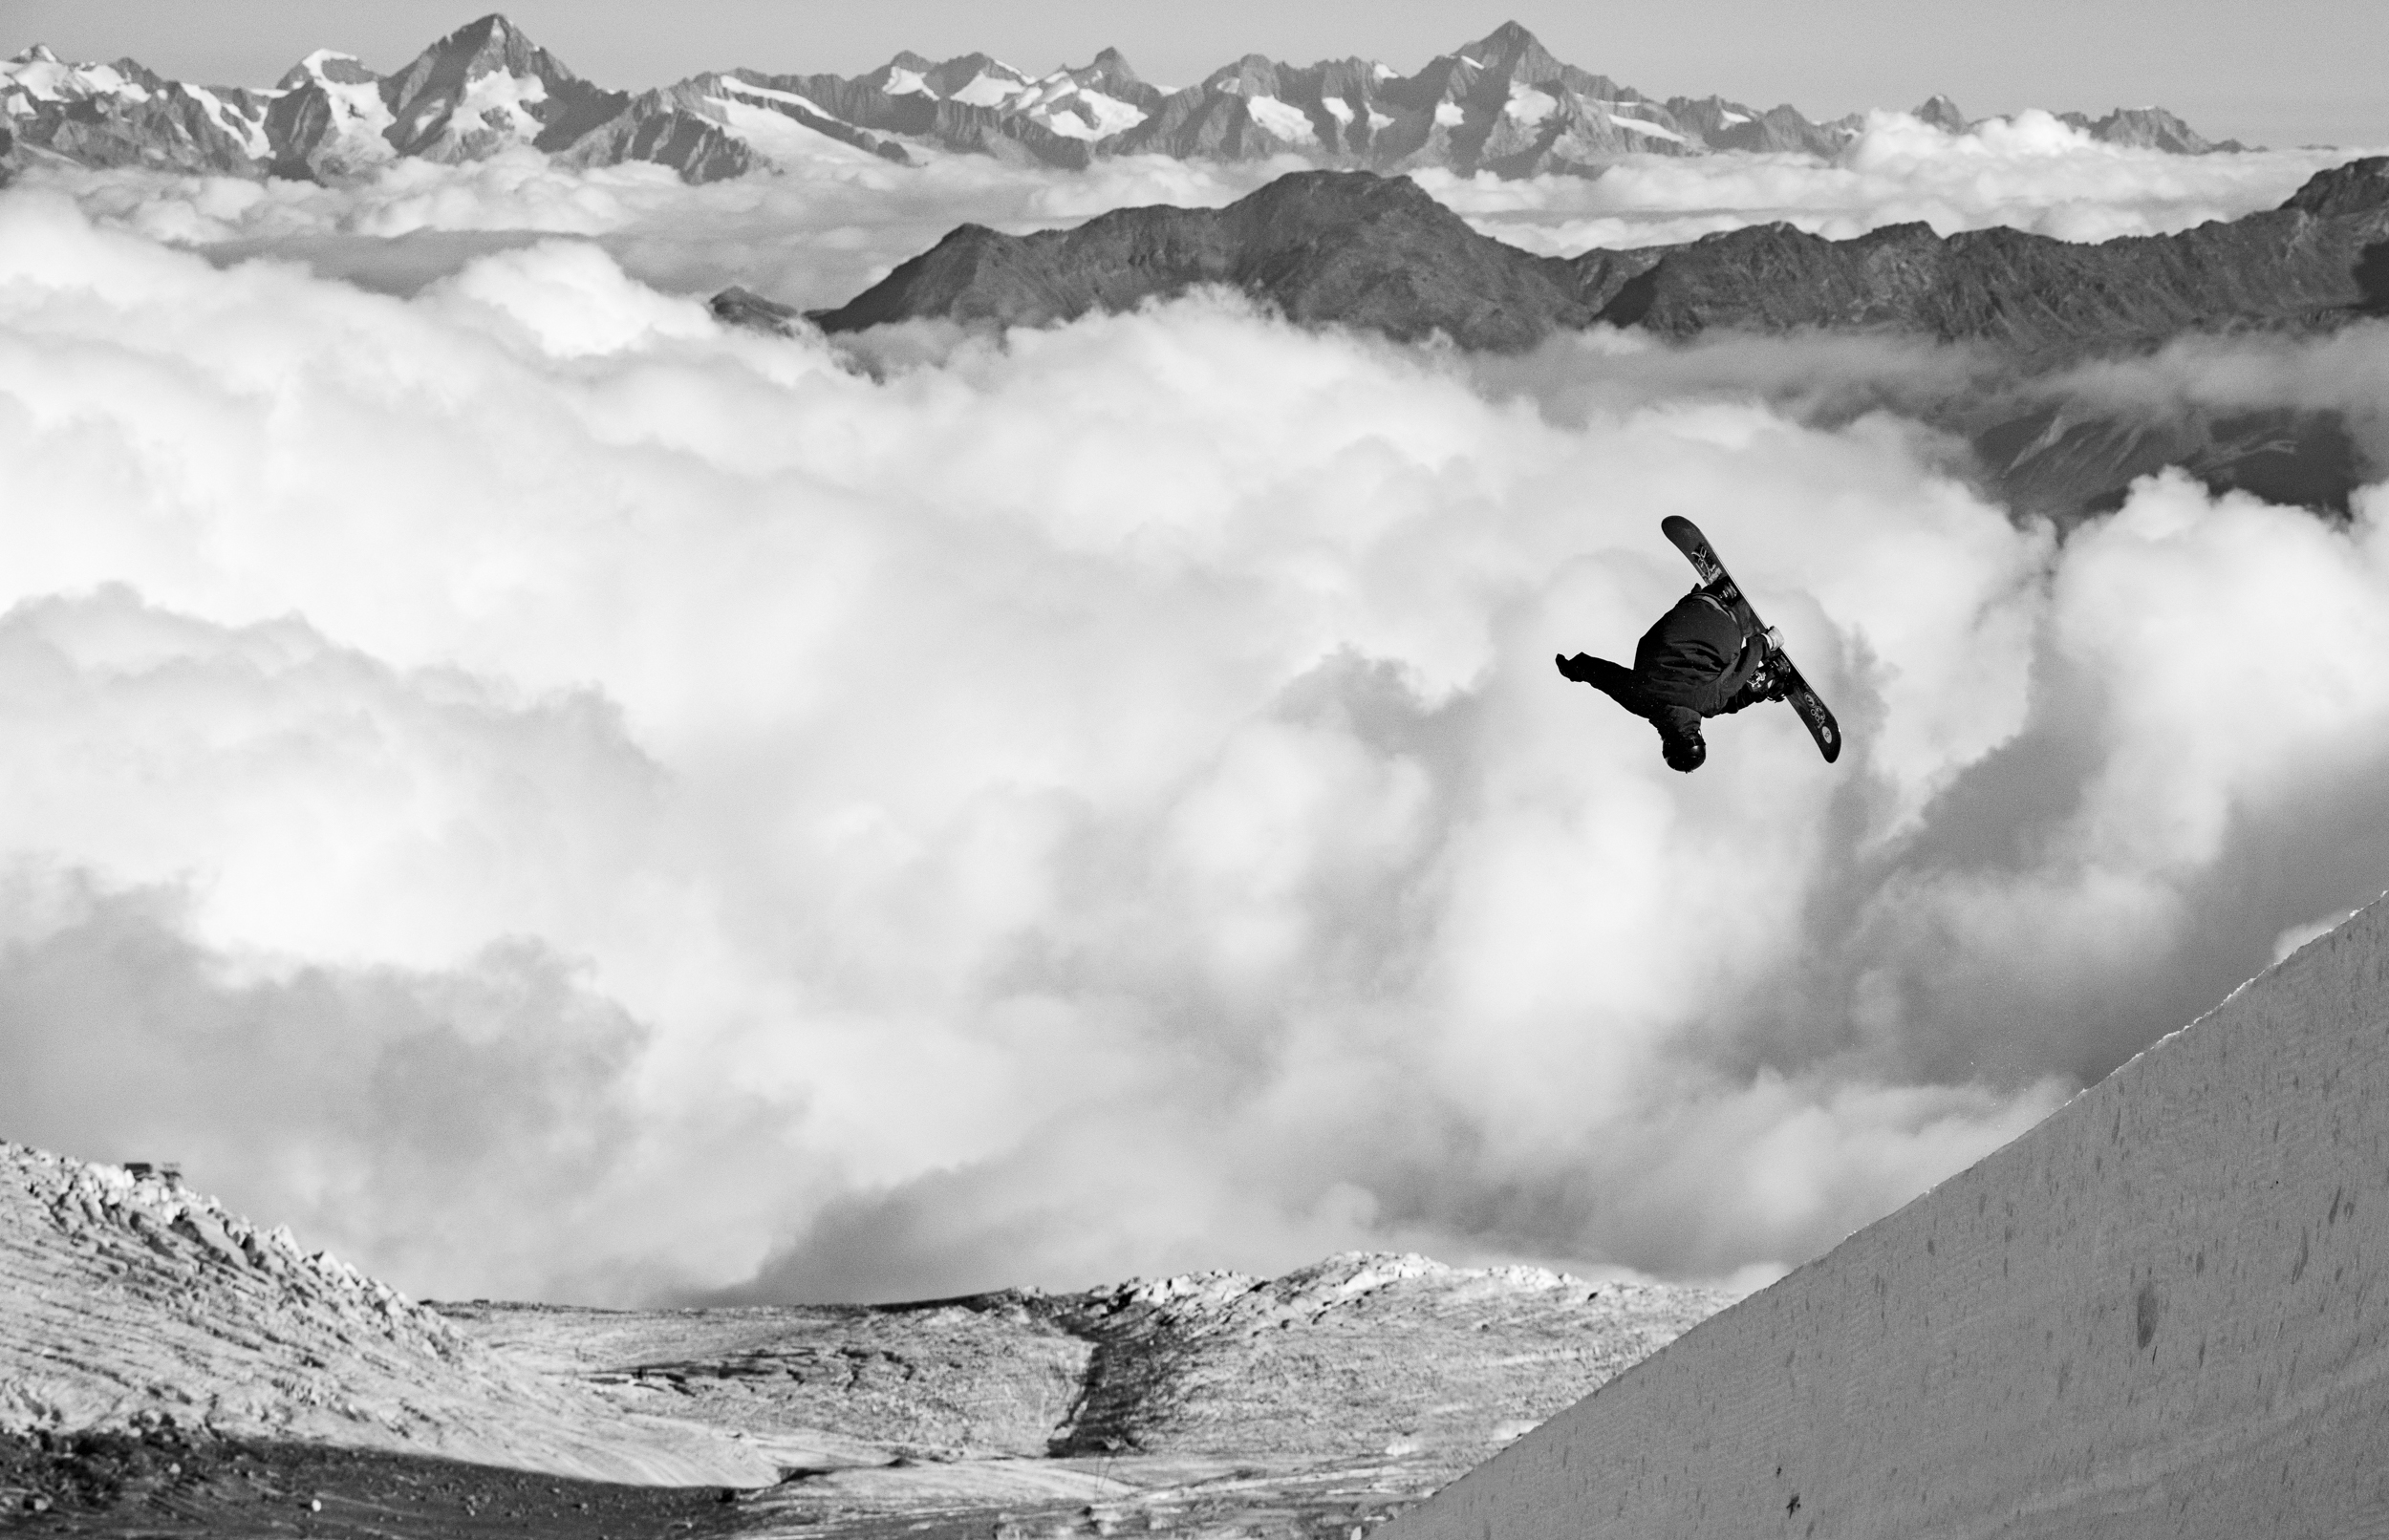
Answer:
(1358, 1352)
(89, 1203)
(124, 1298)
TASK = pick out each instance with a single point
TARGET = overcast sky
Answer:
(2294, 72)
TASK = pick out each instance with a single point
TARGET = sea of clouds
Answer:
(554, 798)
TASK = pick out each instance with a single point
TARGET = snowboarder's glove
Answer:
(1568, 667)
(1775, 639)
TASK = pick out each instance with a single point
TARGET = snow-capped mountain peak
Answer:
(486, 86)
(329, 67)
(39, 76)
(1502, 103)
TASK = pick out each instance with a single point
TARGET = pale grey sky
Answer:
(2283, 73)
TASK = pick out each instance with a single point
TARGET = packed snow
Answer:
(251, 130)
(987, 90)
(42, 75)
(500, 101)
(1644, 126)
(783, 139)
(1282, 119)
(1528, 106)
(1067, 108)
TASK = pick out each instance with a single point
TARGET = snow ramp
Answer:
(2162, 1313)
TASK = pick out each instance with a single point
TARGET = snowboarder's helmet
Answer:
(1685, 752)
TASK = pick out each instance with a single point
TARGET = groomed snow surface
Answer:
(2155, 1315)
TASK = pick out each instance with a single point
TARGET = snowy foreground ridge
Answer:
(1369, 1378)
(1501, 104)
(124, 1299)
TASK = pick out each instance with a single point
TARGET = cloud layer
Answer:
(2029, 173)
(835, 220)
(554, 798)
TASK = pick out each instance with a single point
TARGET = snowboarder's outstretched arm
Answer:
(1612, 680)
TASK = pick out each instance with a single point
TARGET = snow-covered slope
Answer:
(2157, 1313)
(124, 1298)
(1212, 1404)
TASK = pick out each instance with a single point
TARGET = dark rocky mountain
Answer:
(2284, 265)
(1941, 113)
(1347, 248)
(1502, 103)
(2148, 128)
(1352, 249)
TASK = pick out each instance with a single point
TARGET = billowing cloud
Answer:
(2031, 173)
(815, 233)
(556, 798)
(832, 222)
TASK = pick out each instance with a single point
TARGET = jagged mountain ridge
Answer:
(1502, 103)
(1349, 248)
(1353, 250)
(1379, 253)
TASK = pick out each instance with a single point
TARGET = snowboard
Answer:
(1686, 537)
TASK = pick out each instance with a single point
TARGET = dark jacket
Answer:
(1694, 662)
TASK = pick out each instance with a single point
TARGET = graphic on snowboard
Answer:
(1685, 536)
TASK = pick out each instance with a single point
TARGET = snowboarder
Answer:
(1696, 662)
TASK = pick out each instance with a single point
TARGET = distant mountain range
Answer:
(1501, 104)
